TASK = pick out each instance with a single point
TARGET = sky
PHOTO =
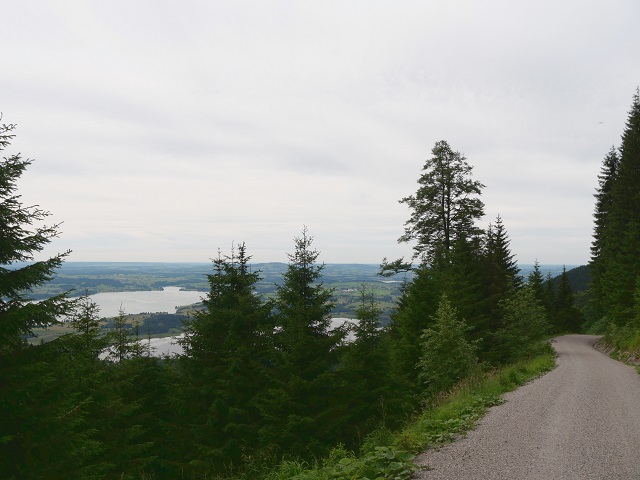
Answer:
(166, 130)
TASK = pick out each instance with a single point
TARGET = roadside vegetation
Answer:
(390, 454)
(266, 388)
(612, 305)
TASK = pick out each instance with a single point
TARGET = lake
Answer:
(165, 300)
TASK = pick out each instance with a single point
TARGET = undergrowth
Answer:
(387, 455)
(459, 411)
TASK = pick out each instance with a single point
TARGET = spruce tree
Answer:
(463, 281)
(22, 235)
(447, 356)
(604, 243)
(445, 206)
(51, 400)
(442, 223)
(535, 280)
(502, 272)
(225, 362)
(549, 297)
(616, 247)
(525, 325)
(47, 392)
(567, 316)
(298, 407)
(120, 338)
(414, 312)
(367, 390)
(501, 279)
(86, 321)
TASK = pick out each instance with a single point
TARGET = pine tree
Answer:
(367, 392)
(524, 327)
(616, 247)
(42, 407)
(22, 235)
(463, 281)
(535, 281)
(502, 272)
(86, 321)
(444, 211)
(445, 206)
(604, 244)
(567, 317)
(416, 306)
(51, 398)
(298, 407)
(225, 361)
(501, 279)
(447, 355)
(120, 338)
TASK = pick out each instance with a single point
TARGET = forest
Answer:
(265, 388)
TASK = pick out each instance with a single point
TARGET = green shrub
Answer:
(447, 356)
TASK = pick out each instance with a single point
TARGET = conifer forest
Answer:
(267, 382)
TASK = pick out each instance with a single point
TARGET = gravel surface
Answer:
(579, 421)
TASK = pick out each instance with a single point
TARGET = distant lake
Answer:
(165, 300)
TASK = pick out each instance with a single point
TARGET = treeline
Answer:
(614, 306)
(262, 380)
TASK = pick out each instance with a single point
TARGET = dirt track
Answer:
(580, 421)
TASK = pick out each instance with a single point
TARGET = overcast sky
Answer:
(163, 130)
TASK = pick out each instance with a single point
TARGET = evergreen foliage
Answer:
(447, 355)
(23, 235)
(566, 316)
(615, 260)
(298, 407)
(463, 278)
(525, 324)
(445, 206)
(502, 272)
(535, 280)
(368, 390)
(500, 279)
(603, 235)
(418, 302)
(86, 321)
(225, 364)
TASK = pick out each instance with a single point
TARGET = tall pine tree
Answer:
(604, 243)
(616, 245)
(501, 277)
(445, 206)
(225, 362)
(22, 235)
(298, 406)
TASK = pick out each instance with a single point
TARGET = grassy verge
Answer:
(459, 411)
(622, 343)
(388, 455)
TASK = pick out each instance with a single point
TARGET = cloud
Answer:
(164, 130)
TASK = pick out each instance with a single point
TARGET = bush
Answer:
(525, 327)
(447, 356)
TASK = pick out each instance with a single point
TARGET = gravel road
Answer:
(579, 421)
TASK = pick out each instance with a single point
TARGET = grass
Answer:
(458, 411)
(623, 343)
